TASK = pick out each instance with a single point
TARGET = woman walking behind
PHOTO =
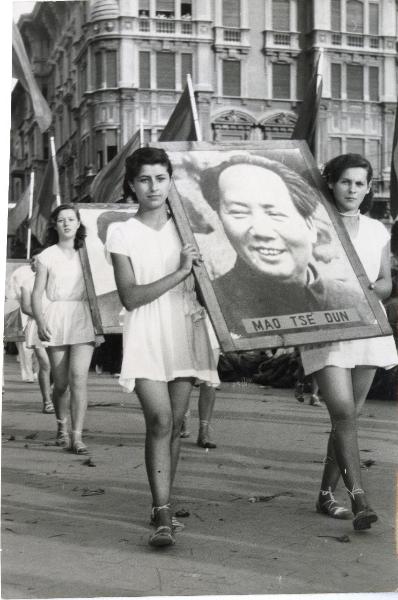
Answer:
(345, 370)
(65, 324)
(166, 346)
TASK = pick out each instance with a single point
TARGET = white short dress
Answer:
(67, 313)
(166, 338)
(369, 243)
(31, 334)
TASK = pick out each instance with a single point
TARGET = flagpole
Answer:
(55, 170)
(319, 75)
(194, 110)
(29, 240)
(141, 133)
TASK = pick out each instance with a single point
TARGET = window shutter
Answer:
(165, 70)
(374, 83)
(165, 6)
(231, 78)
(354, 82)
(143, 5)
(281, 80)
(336, 15)
(281, 15)
(186, 67)
(336, 80)
(354, 16)
(373, 19)
(356, 146)
(145, 70)
(111, 68)
(98, 70)
(231, 13)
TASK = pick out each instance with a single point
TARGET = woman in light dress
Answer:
(166, 347)
(345, 370)
(65, 325)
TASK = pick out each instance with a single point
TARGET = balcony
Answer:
(281, 40)
(351, 40)
(164, 27)
(231, 37)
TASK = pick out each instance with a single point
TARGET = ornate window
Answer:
(231, 13)
(355, 82)
(231, 78)
(281, 80)
(145, 70)
(165, 71)
(336, 15)
(354, 16)
(336, 80)
(281, 15)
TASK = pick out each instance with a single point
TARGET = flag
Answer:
(44, 203)
(19, 213)
(22, 70)
(305, 127)
(181, 125)
(394, 171)
(107, 186)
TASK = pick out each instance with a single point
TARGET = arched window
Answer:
(354, 16)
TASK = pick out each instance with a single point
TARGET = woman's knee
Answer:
(159, 425)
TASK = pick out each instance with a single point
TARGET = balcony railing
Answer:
(282, 39)
(356, 41)
(232, 35)
(165, 26)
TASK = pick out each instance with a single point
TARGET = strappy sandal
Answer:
(163, 535)
(62, 440)
(176, 524)
(48, 408)
(79, 447)
(365, 516)
(328, 505)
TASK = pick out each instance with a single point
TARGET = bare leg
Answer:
(44, 378)
(362, 378)
(337, 389)
(79, 363)
(179, 391)
(207, 398)
(59, 360)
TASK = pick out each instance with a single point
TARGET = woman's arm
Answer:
(132, 295)
(383, 284)
(26, 305)
(37, 300)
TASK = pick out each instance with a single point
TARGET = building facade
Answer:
(106, 66)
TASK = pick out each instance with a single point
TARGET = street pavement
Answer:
(72, 529)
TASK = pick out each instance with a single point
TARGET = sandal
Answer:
(62, 440)
(327, 505)
(48, 408)
(163, 535)
(176, 524)
(79, 447)
(365, 516)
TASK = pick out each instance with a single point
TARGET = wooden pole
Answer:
(194, 110)
(55, 170)
(29, 239)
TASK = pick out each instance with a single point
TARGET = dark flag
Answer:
(181, 126)
(22, 70)
(44, 203)
(107, 185)
(394, 171)
(305, 128)
(20, 212)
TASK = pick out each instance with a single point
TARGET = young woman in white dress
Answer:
(166, 346)
(345, 370)
(64, 324)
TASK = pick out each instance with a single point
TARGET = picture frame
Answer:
(358, 313)
(106, 308)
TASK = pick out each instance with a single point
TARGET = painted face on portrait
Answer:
(262, 223)
(350, 189)
(152, 186)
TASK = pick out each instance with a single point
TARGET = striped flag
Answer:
(22, 70)
(394, 171)
(305, 128)
(107, 186)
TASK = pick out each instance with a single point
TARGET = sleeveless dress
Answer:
(166, 338)
(369, 243)
(67, 313)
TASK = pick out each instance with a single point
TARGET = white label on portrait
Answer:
(300, 320)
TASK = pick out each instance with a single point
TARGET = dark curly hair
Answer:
(52, 235)
(135, 162)
(337, 165)
(302, 194)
